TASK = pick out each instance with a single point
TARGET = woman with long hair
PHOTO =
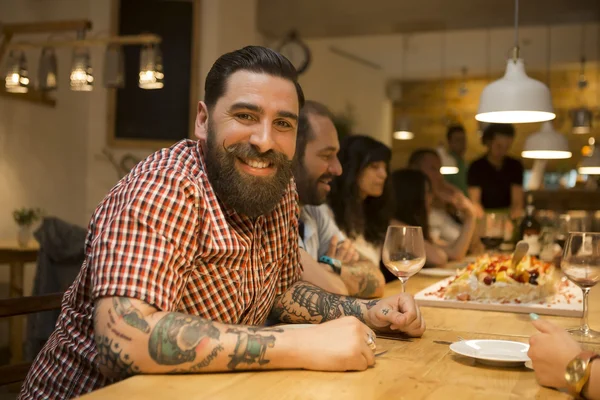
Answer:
(413, 199)
(361, 198)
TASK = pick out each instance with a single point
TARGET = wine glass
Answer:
(492, 230)
(581, 264)
(404, 251)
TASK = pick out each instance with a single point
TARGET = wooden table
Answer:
(16, 257)
(421, 369)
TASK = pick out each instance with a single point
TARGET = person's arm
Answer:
(320, 275)
(592, 390)
(434, 255)
(362, 277)
(516, 201)
(458, 249)
(550, 351)
(475, 195)
(133, 337)
(304, 303)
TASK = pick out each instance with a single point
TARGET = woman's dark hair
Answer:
(370, 217)
(251, 58)
(410, 187)
(492, 130)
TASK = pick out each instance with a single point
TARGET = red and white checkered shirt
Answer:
(162, 236)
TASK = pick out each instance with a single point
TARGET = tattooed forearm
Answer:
(250, 348)
(202, 364)
(305, 303)
(131, 315)
(111, 360)
(363, 279)
(176, 338)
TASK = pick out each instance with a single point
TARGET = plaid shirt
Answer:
(163, 237)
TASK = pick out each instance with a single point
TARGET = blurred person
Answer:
(413, 203)
(191, 251)
(457, 146)
(448, 201)
(361, 198)
(554, 352)
(329, 260)
(496, 180)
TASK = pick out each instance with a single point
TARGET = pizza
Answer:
(491, 277)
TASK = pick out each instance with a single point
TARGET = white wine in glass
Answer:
(404, 251)
(581, 264)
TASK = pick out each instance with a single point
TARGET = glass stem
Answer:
(584, 319)
(402, 284)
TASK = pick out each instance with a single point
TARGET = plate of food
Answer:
(492, 283)
(447, 270)
(493, 352)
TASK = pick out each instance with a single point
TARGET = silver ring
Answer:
(371, 342)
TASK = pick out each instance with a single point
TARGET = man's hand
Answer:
(397, 313)
(550, 351)
(343, 251)
(338, 345)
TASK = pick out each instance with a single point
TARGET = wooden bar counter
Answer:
(421, 369)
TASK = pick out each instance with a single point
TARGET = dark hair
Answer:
(305, 131)
(410, 187)
(370, 217)
(452, 129)
(492, 130)
(251, 58)
(417, 156)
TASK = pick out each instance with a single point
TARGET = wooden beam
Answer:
(33, 96)
(29, 305)
(47, 27)
(98, 41)
(13, 373)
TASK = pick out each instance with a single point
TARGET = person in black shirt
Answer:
(496, 180)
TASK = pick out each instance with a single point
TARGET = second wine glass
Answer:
(404, 251)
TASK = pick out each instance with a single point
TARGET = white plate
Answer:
(494, 352)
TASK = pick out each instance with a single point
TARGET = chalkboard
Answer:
(159, 117)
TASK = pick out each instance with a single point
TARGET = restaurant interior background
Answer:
(443, 52)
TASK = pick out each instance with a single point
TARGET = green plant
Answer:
(27, 216)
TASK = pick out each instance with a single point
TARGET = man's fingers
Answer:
(331, 252)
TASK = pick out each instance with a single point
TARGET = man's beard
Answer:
(249, 195)
(308, 187)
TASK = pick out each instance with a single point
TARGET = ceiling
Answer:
(330, 18)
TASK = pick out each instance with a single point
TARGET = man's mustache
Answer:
(245, 150)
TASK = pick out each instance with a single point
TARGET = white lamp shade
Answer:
(515, 98)
(402, 129)
(449, 166)
(547, 144)
(582, 121)
(590, 165)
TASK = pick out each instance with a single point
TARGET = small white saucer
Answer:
(502, 353)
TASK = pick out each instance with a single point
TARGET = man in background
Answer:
(457, 145)
(328, 258)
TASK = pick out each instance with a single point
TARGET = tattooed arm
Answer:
(305, 303)
(363, 279)
(133, 337)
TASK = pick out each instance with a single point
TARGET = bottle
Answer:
(531, 229)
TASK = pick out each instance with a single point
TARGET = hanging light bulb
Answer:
(151, 68)
(515, 98)
(547, 144)
(582, 121)
(590, 165)
(82, 78)
(48, 70)
(402, 129)
(449, 166)
(17, 77)
(114, 67)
